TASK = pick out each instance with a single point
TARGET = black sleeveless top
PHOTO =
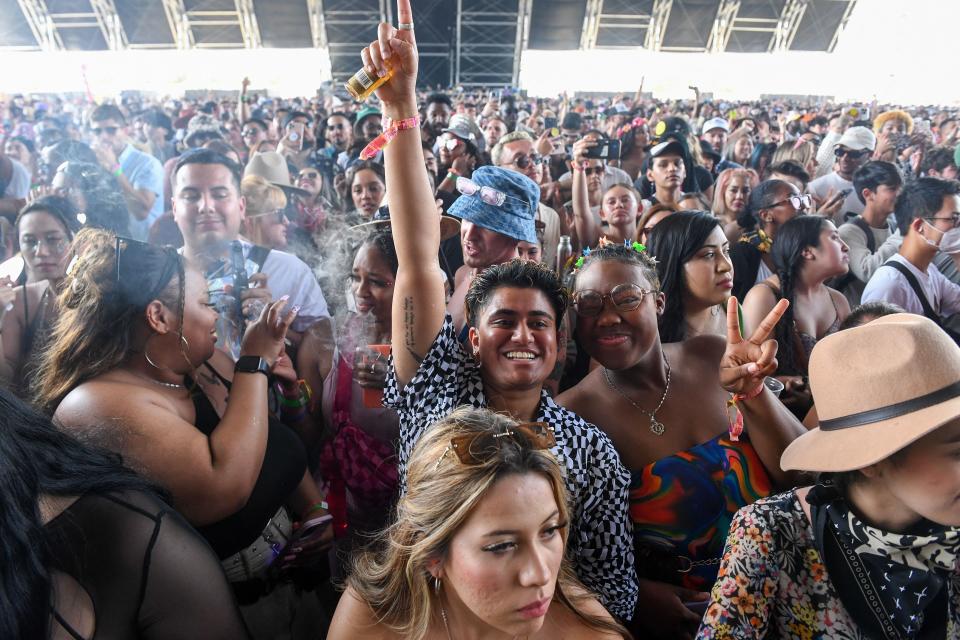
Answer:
(146, 571)
(284, 463)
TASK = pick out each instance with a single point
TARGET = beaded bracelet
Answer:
(734, 416)
(390, 130)
(317, 507)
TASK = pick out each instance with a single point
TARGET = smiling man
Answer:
(209, 209)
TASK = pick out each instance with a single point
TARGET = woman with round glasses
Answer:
(477, 548)
(667, 407)
(514, 311)
(771, 205)
(264, 222)
(45, 229)
(616, 220)
(807, 253)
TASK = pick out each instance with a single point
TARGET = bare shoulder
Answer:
(565, 624)
(840, 302)
(97, 404)
(579, 397)
(355, 620)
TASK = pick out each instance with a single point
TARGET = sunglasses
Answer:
(854, 155)
(523, 161)
(246, 133)
(277, 216)
(491, 196)
(625, 297)
(477, 448)
(309, 175)
(108, 130)
(451, 143)
(799, 203)
(589, 171)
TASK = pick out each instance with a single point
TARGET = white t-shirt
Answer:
(889, 285)
(821, 188)
(19, 186)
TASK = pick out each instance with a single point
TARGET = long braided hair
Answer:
(792, 239)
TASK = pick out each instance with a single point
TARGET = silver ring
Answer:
(405, 26)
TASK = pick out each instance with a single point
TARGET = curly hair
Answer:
(625, 255)
(392, 577)
(519, 274)
(94, 330)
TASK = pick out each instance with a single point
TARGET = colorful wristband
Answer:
(734, 416)
(390, 130)
(117, 171)
(317, 507)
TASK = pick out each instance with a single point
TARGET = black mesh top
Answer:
(144, 573)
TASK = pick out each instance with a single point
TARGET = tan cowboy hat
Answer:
(877, 389)
(449, 226)
(272, 167)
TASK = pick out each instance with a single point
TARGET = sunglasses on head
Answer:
(489, 195)
(854, 155)
(625, 297)
(108, 130)
(477, 448)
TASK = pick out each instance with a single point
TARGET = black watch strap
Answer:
(252, 364)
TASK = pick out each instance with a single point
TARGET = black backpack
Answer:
(918, 291)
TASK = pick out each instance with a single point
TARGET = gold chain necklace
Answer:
(656, 427)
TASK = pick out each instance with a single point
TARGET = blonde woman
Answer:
(265, 222)
(730, 198)
(801, 151)
(477, 546)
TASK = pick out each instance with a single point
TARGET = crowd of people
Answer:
(476, 364)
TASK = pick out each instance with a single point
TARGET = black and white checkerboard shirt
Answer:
(600, 541)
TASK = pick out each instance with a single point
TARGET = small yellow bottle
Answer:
(361, 85)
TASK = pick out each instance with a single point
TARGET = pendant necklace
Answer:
(656, 427)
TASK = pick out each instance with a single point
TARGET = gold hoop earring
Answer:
(146, 355)
(437, 583)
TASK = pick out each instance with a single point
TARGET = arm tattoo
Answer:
(409, 319)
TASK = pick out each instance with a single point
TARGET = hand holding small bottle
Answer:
(396, 48)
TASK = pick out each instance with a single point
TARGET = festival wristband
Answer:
(319, 506)
(734, 416)
(117, 171)
(391, 128)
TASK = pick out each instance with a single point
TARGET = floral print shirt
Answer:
(773, 582)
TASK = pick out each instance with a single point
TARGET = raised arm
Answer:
(588, 231)
(418, 296)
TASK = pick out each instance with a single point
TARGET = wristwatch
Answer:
(252, 364)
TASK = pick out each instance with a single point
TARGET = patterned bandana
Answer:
(907, 570)
(758, 239)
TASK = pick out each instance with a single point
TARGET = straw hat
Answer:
(877, 389)
(272, 167)
(449, 226)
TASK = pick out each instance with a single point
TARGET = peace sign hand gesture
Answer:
(398, 49)
(746, 363)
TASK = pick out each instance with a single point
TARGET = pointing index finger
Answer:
(404, 12)
(767, 325)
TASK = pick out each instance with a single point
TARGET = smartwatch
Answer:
(252, 364)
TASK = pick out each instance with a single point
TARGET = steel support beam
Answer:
(318, 25)
(723, 25)
(841, 26)
(591, 24)
(41, 24)
(786, 29)
(524, 9)
(658, 24)
(480, 60)
(249, 28)
(179, 23)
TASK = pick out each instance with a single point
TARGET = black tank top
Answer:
(284, 463)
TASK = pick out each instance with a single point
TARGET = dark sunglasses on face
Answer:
(246, 133)
(108, 130)
(523, 161)
(589, 171)
(309, 175)
(625, 297)
(277, 216)
(473, 449)
(854, 155)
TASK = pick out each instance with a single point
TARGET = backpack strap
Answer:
(871, 241)
(917, 290)
(259, 255)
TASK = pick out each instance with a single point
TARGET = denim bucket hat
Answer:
(499, 200)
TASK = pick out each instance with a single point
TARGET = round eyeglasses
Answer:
(625, 297)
